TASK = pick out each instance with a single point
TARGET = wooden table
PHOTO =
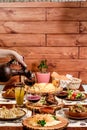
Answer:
(22, 128)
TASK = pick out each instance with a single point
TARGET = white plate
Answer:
(1, 87)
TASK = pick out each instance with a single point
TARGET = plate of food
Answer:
(48, 100)
(77, 111)
(11, 113)
(45, 122)
(9, 93)
(75, 95)
(44, 88)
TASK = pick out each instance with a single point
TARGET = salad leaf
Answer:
(79, 95)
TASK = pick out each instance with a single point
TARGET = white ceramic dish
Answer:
(85, 87)
(2, 87)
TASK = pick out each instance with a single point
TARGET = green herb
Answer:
(41, 122)
(70, 92)
(79, 95)
(42, 100)
(54, 117)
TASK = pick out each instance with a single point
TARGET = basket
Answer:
(75, 84)
(72, 84)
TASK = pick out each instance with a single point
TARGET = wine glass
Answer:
(29, 83)
(33, 98)
(60, 111)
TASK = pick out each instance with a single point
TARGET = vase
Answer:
(43, 77)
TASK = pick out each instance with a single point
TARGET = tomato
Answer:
(72, 97)
(74, 94)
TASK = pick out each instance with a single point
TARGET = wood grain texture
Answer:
(83, 27)
(41, 4)
(76, 128)
(73, 65)
(84, 4)
(4, 59)
(83, 53)
(56, 31)
(48, 52)
(11, 127)
(67, 40)
(22, 40)
(67, 14)
(24, 14)
(39, 27)
(21, 127)
(83, 76)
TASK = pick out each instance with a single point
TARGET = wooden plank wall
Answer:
(39, 0)
(55, 31)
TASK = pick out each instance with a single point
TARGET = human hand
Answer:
(18, 58)
(14, 54)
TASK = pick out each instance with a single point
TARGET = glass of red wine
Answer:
(33, 98)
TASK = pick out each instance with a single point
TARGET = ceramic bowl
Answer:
(2, 87)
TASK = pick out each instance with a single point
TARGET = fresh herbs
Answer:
(41, 122)
(54, 117)
(43, 66)
(43, 100)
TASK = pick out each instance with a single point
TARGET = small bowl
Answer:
(47, 109)
(33, 98)
(62, 94)
(76, 114)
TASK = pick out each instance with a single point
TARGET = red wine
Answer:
(33, 98)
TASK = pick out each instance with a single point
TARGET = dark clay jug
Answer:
(6, 72)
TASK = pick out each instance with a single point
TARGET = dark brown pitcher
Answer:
(6, 72)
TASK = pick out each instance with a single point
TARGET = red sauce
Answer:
(47, 110)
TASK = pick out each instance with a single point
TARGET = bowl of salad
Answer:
(75, 95)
